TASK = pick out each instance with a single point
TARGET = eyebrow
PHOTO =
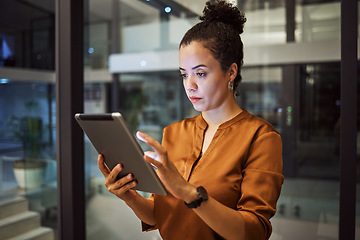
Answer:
(197, 66)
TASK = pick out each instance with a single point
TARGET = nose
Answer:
(189, 84)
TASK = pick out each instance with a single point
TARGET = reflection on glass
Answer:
(318, 22)
(27, 146)
(260, 94)
(27, 114)
(310, 195)
(319, 135)
(27, 38)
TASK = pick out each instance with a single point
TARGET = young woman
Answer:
(222, 168)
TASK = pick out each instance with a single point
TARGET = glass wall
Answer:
(27, 114)
(131, 66)
(317, 21)
(131, 58)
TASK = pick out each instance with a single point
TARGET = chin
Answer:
(199, 109)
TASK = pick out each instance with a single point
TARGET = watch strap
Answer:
(202, 194)
(194, 204)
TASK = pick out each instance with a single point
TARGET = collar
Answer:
(201, 123)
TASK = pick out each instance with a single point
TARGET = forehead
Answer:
(195, 54)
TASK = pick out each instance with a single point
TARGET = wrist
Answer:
(133, 200)
(190, 195)
(202, 196)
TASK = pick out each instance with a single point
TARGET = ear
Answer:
(232, 72)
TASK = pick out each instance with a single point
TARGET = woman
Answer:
(222, 168)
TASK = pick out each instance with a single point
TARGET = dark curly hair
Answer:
(219, 31)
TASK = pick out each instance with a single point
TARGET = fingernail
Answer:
(140, 136)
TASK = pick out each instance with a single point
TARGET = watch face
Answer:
(202, 193)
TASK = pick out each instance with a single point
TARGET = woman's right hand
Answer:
(119, 187)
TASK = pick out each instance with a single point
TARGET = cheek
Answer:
(218, 92)
(217, 87)
(212, 93)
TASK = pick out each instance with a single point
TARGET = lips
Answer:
(194, 99)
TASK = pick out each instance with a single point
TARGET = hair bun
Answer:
(224, 12)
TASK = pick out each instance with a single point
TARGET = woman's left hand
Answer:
(166, 170)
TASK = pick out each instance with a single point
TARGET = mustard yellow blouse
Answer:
(242, 169)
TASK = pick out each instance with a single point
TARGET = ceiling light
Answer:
(4, 81)
(168, 9)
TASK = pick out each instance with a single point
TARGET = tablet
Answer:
(111, 137)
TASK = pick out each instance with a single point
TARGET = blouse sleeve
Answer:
(261, 185)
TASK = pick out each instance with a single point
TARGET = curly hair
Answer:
(219, 31)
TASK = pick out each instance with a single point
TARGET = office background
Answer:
(60, 57)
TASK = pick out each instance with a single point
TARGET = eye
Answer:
(183, 75)
(201, 74)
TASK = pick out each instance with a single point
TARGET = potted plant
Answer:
(29, 170)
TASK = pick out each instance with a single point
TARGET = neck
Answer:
(216, 117)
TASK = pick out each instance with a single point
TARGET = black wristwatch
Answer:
(203, 196)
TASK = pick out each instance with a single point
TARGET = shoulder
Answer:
(257, 126)
(265, 145)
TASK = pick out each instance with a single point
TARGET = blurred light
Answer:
(143, 63)
(91, 50)
(4, 80)
(233, 2)
(289, 116)
(168, 9)
(280, 110)
(289, 121)
(311, 81)
(6, 51)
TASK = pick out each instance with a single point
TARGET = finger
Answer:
(151, 142)
(120, 191)
(101, 165)
(152, 161)
(152, 155)
(122, 182)
(111, 178)
(141, 136)
(148, 140)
